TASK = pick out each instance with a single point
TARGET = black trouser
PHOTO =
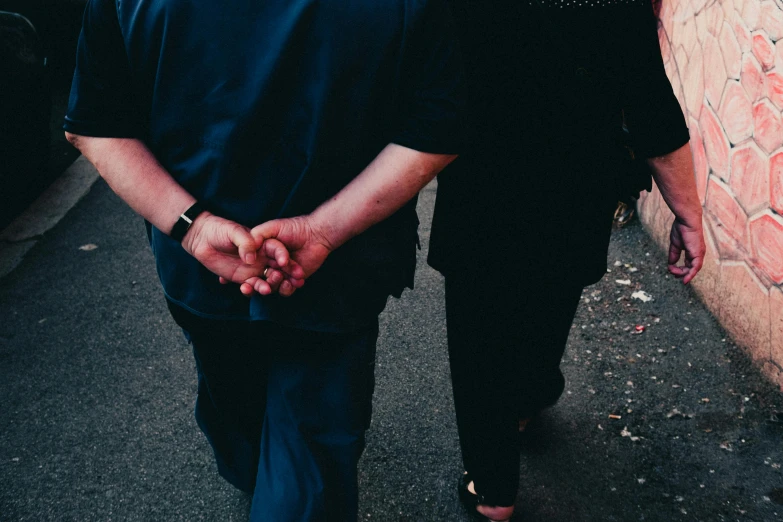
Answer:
(506, 339)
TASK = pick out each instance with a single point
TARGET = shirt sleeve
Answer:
(102, 100)
(432, 80)
(652, 112)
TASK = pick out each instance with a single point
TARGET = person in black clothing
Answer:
(548, 86)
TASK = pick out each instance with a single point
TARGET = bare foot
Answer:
(493, 513)
(523, 423)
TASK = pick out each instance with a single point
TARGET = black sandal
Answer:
(471, 501)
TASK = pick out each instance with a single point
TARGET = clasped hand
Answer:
(276, 256)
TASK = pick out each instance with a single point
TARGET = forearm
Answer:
(674, 176)
(391, 180)
(133, 172)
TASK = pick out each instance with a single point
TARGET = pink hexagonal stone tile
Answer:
(772, 19)
(661, 224)
(744, 309)
(732, 54)
(679, 92)
(678, 16)
(680, 58)
(751, 13)
(767, 126)
(716, 143)
(752, 77)
(727, 220)
(767, 237)
(776, 182)
(700, 166)
(667, 19)
(714, 14)
(774, 84)
(709, 277)
(665, 45)
(750, 177)
(641, 203)
(776, 322)
(648, 205)
(763, 49)
(742, 33)
(697, 6)
(779, 55)
(701, 26)
(688, 36)
(715, 75)
(728, 10)
(671, 68)
(693, 82)
(736, 113)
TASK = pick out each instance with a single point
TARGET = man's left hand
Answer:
(228, 250)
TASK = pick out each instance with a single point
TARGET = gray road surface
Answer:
(97, 388)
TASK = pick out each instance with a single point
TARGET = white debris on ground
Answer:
(643, 296)
(626, 433)
(677, 414)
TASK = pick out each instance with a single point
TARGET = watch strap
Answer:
(185, 220)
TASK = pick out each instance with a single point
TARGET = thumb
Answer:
(274, 249)
(268, 230)
(245, 243)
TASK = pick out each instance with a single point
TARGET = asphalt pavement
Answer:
(97, 388)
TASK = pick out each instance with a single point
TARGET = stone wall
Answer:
(725, 62)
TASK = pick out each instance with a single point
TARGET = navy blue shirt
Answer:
(265, 109)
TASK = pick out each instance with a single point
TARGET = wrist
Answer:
(185, 220)
(323, 233)
(691, 220)
(194, 231)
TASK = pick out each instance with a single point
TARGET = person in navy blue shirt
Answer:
(316, 122)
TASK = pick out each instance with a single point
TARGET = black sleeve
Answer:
(652, 112)
(433, 84)
(102, 100)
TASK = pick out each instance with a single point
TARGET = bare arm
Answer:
(673, 173)
(132, 171)
(674, 176)
(134, 174)
(392, 179)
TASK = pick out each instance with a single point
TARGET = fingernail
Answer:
(250, 258)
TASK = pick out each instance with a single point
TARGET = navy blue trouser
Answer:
(285, 411)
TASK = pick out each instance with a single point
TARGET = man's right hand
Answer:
(309, 248)
(228, 250)
(307, 244)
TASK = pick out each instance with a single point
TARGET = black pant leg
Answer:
(505, 346)
(541, 341)
(483, 385)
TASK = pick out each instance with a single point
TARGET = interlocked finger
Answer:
(273, 278)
